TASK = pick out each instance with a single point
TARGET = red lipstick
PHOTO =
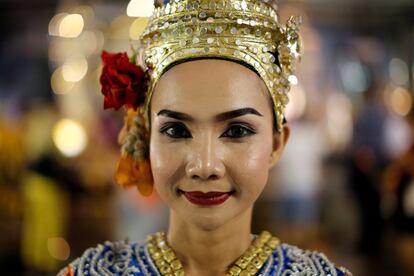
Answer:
(207, 199)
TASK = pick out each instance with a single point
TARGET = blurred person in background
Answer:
(367, 161)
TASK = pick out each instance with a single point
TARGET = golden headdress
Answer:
(244, 31)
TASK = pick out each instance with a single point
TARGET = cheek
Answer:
(165, 164)
(249, 166)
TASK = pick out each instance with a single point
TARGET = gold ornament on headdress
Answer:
(245, 31)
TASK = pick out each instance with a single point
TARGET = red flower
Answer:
(122, 82)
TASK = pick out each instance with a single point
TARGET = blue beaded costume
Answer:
(121, 258)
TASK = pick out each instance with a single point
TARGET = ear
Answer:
(279, 142)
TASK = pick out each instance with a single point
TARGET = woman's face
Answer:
(212, 131)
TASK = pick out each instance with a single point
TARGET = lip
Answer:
(207, 199)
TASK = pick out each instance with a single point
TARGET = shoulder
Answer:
(288, 259)
(112, 258)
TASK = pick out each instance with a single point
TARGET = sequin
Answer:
(210, 20)
(196, 40)
(233, 30)
(210, 40)
(203, 30)
(183, 43)
(206, 49)
(238, 41)
(202, 15)
(189, 31)
(219, 29)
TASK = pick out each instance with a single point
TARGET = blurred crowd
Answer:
(344, 186)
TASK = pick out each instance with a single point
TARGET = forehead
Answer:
(210, 85)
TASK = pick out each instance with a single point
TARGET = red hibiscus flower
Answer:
(122, 82)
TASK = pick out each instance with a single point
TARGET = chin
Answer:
(208, 224)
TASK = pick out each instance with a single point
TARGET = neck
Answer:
(209, 251)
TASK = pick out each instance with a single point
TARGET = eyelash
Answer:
(248, 131)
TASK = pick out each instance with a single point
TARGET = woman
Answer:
(205, 124)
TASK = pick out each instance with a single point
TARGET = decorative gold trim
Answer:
(248, 264)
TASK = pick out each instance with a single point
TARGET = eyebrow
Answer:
(219, 117)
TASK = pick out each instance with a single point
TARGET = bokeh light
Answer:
(71, 26)
(354, 78)
(137, 27)
(69, 137)
(74, 69)
(398, 71)
(401, 101)
(59, 84)
(140, 8)
(55, 23)
(58, 248)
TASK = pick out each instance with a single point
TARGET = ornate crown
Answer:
(245, 31)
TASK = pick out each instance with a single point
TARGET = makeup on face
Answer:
(206, 199)
(211, 140)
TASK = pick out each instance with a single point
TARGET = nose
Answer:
(205, 162)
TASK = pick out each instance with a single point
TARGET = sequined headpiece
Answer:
(246, 31)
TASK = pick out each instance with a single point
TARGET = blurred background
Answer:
(345, 185)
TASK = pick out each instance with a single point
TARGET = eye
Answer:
(238, 131)
(175, 130)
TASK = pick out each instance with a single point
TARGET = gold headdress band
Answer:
(246, 31)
